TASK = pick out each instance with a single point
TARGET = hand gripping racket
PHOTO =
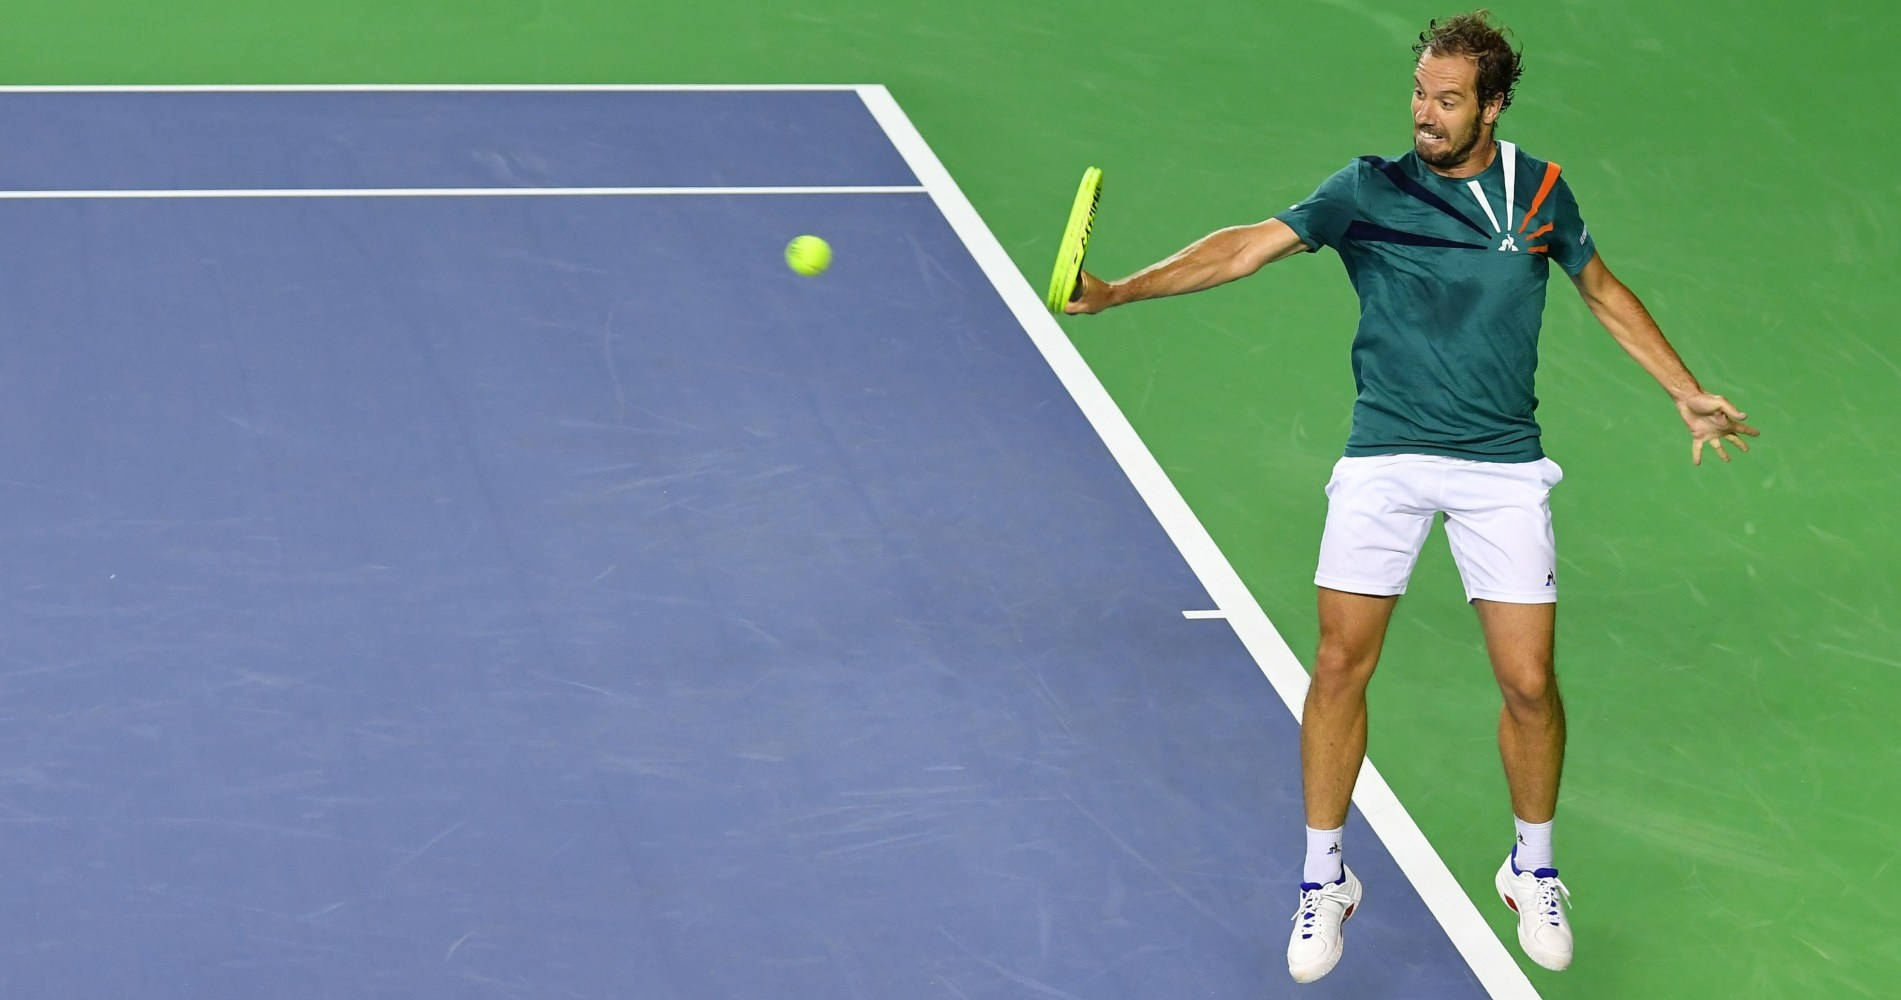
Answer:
(1066, 281)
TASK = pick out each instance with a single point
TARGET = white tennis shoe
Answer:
(1539, 899)
(1318, 941)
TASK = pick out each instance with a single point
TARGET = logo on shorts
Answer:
(1551, 579)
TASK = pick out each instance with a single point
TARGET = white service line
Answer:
(1454, 910)
(481, 192)
(1204, 615)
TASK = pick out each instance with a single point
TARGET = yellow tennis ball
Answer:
(808, 255)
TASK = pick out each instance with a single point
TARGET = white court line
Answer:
(379, 88)
(487, 192)
(423, 88)
(1204, 615)
(1481, 949)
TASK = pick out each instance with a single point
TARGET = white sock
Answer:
(1323, 856)
(1534, 845)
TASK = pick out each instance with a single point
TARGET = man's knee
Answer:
(1342, 665)
(1530, 690)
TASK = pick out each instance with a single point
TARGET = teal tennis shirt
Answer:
(1451, 279)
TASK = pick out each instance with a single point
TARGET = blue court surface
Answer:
(449, 554)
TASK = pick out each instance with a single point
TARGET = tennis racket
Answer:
(1066, 280)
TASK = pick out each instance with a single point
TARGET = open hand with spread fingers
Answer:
(1712, 420)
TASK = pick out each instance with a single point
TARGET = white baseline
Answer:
(463, 192)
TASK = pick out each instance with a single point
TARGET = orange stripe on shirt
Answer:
(1544, 188)
(1541, 248)
(1540, 231)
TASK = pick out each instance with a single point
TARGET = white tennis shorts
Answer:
(1498, 520)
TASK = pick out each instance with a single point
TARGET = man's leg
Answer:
(1376, 522)
(1333, 723)
(1519, 639)
(1332, 744)
(1498, 520)
(1531, 742)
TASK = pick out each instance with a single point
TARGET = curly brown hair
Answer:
(1474, 35)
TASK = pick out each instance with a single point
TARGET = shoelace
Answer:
(1310, 900)
(1551, 893)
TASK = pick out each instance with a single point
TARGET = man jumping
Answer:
(1448, 248)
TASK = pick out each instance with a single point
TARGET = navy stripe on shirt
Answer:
(1367, 232)
(1412, 187)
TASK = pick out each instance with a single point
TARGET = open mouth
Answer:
(1424, 136)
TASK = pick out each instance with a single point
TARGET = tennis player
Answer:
(1449, 248)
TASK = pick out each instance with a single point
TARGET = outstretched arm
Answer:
(1215, 259)
(1711, 418)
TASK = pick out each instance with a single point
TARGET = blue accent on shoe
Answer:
(1538, 873)
(1311, 886)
